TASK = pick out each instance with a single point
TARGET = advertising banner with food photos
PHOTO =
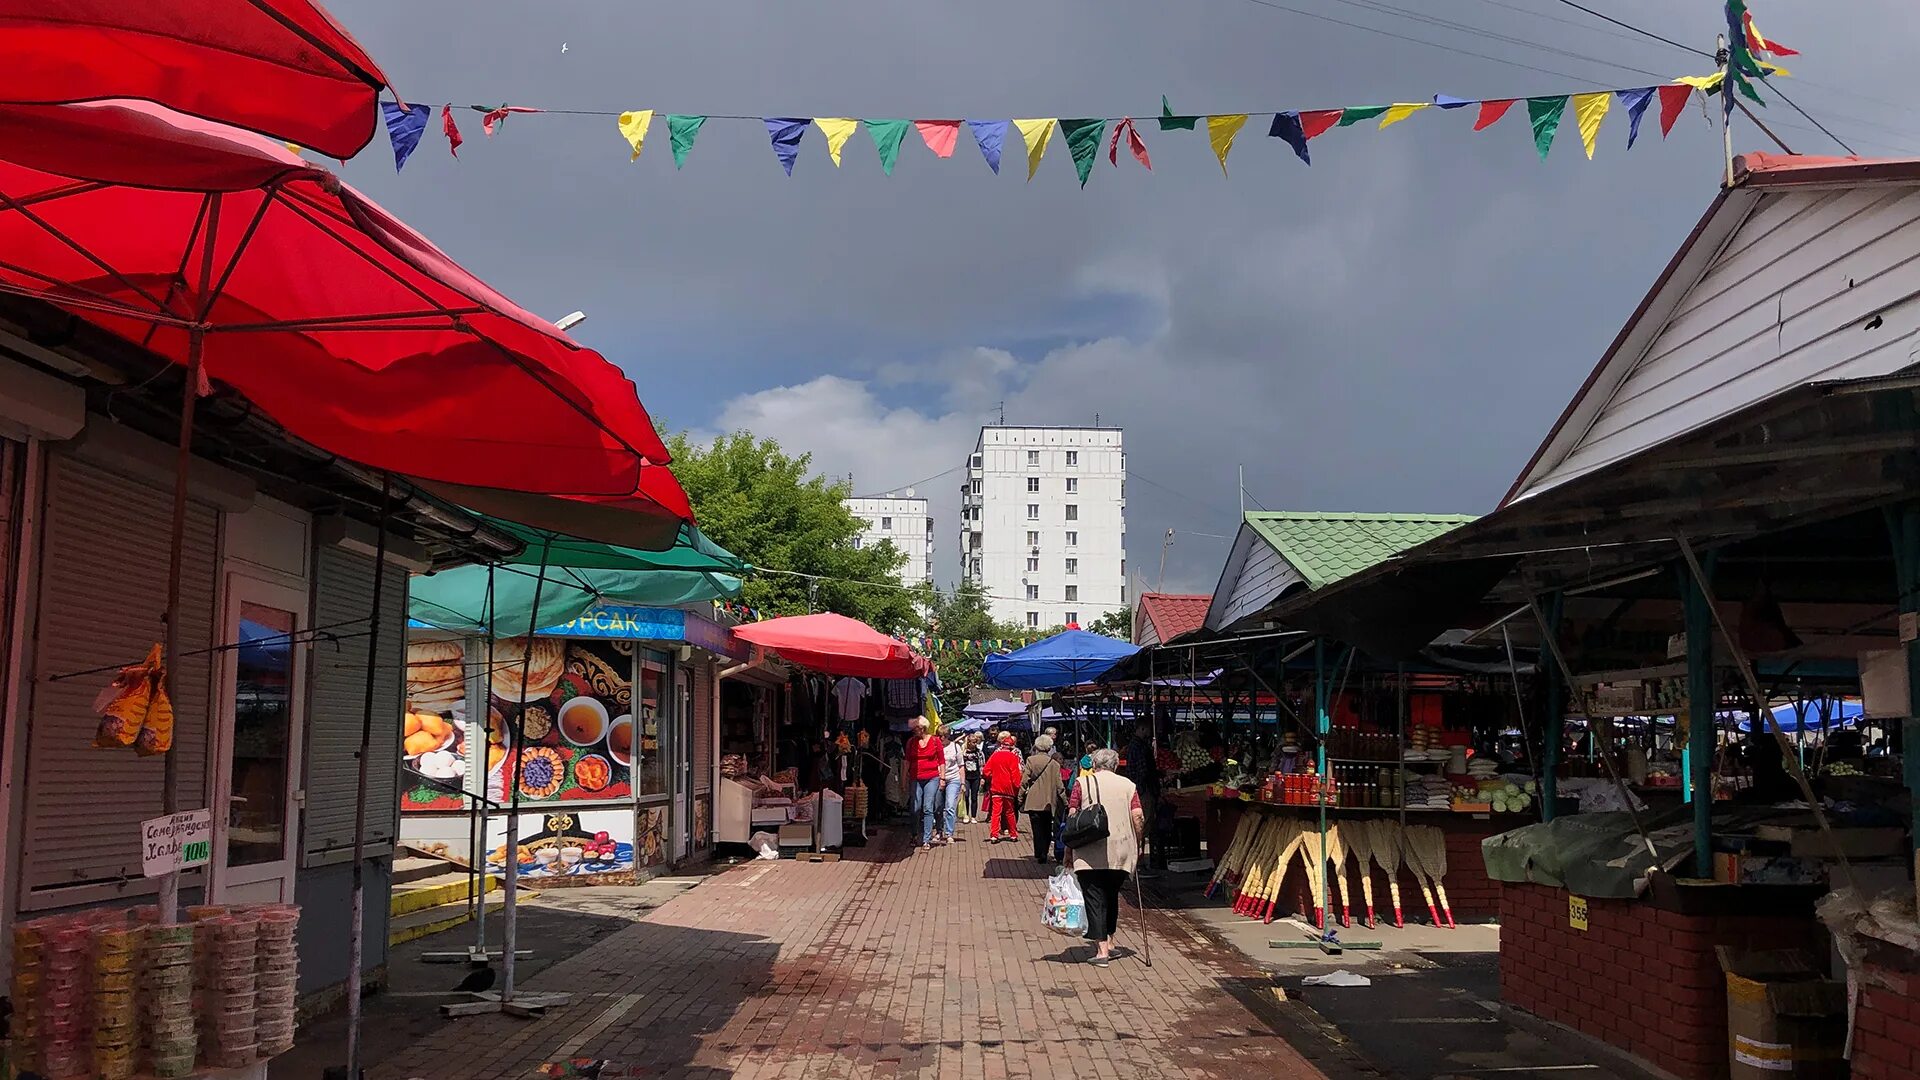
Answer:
(434, 743)
(567, 731)
(565, 843)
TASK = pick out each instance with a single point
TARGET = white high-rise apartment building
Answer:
(903, 518)
(1043, 523)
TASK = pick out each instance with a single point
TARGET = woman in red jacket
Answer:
(925, 755)
(1002, 774)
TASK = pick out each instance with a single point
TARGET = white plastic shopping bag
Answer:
(766, 844)
(1066, 908)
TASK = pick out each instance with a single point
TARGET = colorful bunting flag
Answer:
(837, 129)
(1589, 110)
(1291, 127)
(1170, 122)
(405, 125)
(1448, 101)
(1037, 133)
(1755, 41)
(939, 135)
(991, 135)
(887, 135)
(683, 129)
(1135, 144)
(1356, 113)
(1491, 112)
(1399, 112)
(496, 117)
(633, 128)
(784, 132)
(1742, 67)
(1319, 121)
(1636, 102)
(1544, 114)
(450, 129)
(1221, 131)
(1083, 142)
(1673, 99)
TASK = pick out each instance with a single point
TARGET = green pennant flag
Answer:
(683, 129)
(1356, 113)
(1742, 67)
(886, 139)
(1545, 113)
(1083, 142)
(1170, 122)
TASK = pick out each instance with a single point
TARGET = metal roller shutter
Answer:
(103, 593)
(343, 593)
(702, 677)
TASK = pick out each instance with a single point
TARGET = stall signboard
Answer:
(628, 623)
(435, 740)
(561, 720)
(1577, 912)
(566, 844)
(176, 842)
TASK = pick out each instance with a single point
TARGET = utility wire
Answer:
(1642, 31)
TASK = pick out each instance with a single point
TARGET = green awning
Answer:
(579, 575)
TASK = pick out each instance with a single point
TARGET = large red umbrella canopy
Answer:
(836, 645)
(348, 328)
(280, 67)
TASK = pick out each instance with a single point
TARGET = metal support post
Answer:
(1700, 715)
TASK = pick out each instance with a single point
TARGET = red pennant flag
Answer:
(939, 135)
(1673, 98)
(494, 117)
(1316, 123)
(1135, 144)
(452, 130)
(1759, 43)
(1491, 112)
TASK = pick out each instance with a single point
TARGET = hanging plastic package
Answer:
(133, 702)
(1066, 909)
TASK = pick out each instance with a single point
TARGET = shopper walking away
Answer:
(1142, 768)
(1041, 792)
(951, 771)
(972, 762)
(1103, 865)
(1002, 772)
(925, 757)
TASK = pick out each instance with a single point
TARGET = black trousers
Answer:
(1041, 822)
(1102, 891)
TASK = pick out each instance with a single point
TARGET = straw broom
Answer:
(1419, 849)
(1387, 850)
(1295, 835)
(1233, 859)
(1336, 862)
(1429, 844)
(1253, 873)
(1358, 837)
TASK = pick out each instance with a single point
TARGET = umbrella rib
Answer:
(512, 357)
(78, 249)
(79, 188)
(104, 304)
(239, 249)
(352, 68)
(179, 278)
(345, 322)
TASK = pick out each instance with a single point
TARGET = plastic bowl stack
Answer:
(166, 1000)
(112, 942)
(50, 979)
(277, 972)
(229, 993)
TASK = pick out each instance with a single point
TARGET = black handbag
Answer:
(1088, 824)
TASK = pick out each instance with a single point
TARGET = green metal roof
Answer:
(1327, 547)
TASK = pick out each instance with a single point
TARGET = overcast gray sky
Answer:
(1392, 329)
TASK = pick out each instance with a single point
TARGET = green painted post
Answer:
(1700, 715)
(1322, 725)
(1556, 715)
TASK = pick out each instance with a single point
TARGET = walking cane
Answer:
(1146, 939)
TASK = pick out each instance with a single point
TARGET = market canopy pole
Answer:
(357, 921)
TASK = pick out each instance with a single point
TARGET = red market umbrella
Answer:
(836, 645)
(279, 67)
(223, 251)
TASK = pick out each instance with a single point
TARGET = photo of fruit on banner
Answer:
(575, 713)
(434, 742)
(566, 845)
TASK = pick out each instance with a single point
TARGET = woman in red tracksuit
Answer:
(1002, 774)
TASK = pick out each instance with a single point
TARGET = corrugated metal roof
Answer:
(1327, 547)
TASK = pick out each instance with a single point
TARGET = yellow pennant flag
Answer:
(1037, 133)
(1220, 132)
(837, 129)
(1399, 112)
(633, 128)
(1703, 83)
(1590, 109)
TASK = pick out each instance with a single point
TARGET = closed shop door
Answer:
(257, 756)
(103, 593)
(343, 598)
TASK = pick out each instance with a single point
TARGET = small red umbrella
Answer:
(224, 252)
(836, 645)
(280, 67)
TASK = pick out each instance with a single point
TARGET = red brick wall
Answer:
(1639, 978)
(1886, 1025)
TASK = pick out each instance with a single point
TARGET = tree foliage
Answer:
(767, 507)
(968, 616)
(1115, 624)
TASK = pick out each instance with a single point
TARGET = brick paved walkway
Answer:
(887, 964)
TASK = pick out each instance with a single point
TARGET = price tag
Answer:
(176, 842)
(1577, 912)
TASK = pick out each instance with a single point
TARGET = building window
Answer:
(1073, 566)
(1033, 620)
(1033, 511)
(1073, 617)
(1123, 592)
(1073, 539)
(1033, 592)
(1033, 484)
(1073, 485)
(976, 487)
(974, 462)
(1033, 538)
(1033, 564)
(1073, 593)
(1033, 459)
(886, 524)
(1073, 459)
(975, 568)
(1073, 512)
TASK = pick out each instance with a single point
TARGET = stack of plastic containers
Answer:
(112, 942)
(277, 967)
(229, 990)
(166, 999)
(50, 980)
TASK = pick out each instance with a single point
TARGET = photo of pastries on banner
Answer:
(560, 720)
(434, 734)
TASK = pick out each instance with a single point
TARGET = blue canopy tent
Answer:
(1839, 712)
(1069, 658)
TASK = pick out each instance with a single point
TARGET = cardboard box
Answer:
(1783, 1018)
(1736, 868)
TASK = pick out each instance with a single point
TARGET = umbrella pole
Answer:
(169, 899)
(357, 923)
(510, 911)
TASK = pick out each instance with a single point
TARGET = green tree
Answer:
(1115, 624)
(768, 507)
(966, 616)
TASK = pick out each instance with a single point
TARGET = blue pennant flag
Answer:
(1286, 126)
(785, 131)
(405, 125)
(1636, 103)
(991, 135)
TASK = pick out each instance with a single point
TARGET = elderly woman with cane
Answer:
(1102, 861)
